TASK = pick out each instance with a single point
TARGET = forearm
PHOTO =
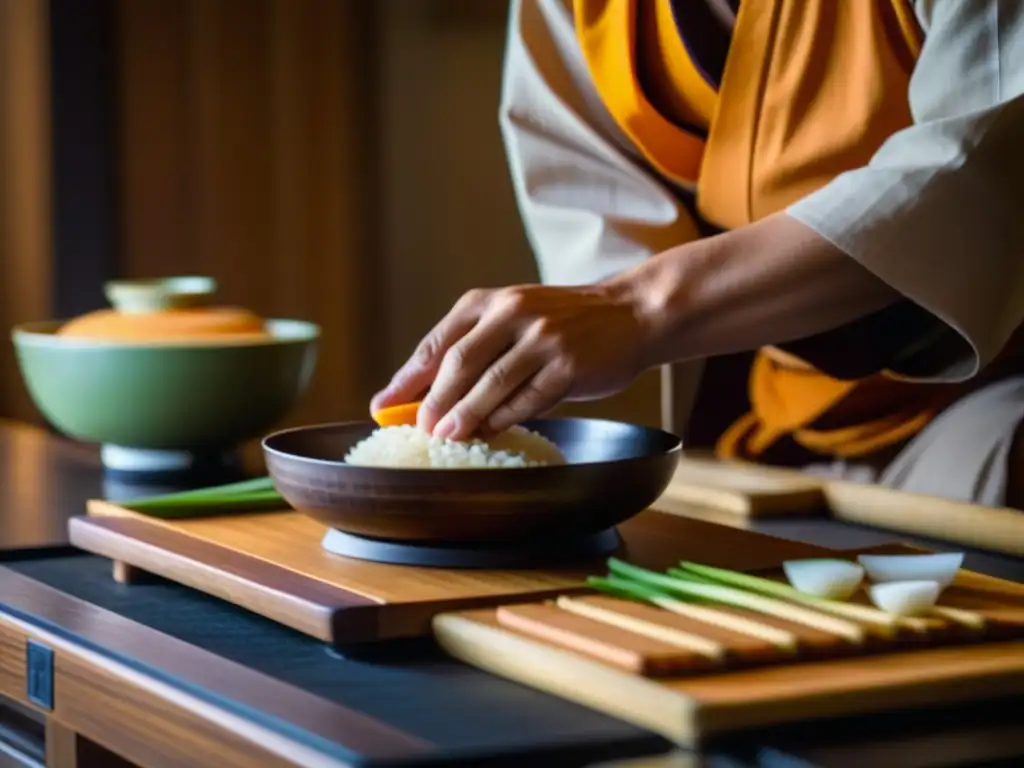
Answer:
(767, 283)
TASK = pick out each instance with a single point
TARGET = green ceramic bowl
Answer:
(166, 397)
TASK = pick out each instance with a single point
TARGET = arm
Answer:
(936, 213)
(770, 282)
(935, 218)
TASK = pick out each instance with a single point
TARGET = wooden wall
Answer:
(248, 153)
(25, 253)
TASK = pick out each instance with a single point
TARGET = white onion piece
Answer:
(905, 598)
(831, 579)
(939, 567)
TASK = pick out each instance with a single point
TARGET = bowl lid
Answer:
(135, 297)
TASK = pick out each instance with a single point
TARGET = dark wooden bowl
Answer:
(614, 472)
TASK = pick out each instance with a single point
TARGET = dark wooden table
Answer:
(161, 675)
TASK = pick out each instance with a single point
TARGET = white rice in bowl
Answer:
(410, 447)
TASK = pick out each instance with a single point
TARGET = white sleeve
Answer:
(938, 213)
(590, 207)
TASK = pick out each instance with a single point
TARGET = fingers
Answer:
(497, 384)
(414, 378)
(538, 396)
(397, 393)
(464, 365)
(411, 381)
(498, 358)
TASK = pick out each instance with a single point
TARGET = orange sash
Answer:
(811, 88)
(609, 32)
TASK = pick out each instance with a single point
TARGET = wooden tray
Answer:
(273, 564)
(630, 676)
(743, 491)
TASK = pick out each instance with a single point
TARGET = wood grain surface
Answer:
(62, 747)
(67, 749)
(688, 710)
(618, 647)
(609, 641)
(26, 194)
(43, 483)
(273, 564)
(745, 646)
(717, 490)
(744, 489)
(994, 529)
(611, 671)
(247, 152)
(309, 606)
(741, 648)
(158, 701)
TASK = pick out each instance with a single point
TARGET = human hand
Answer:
(500, 357)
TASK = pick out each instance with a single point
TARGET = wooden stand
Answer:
(273, 564)
(734, 492)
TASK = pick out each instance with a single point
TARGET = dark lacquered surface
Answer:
(466, 713)
(43, 482)
(614, 472)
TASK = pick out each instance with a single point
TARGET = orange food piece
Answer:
(171, 325)
(397, 415)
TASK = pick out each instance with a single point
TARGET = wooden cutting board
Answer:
(273, 564)
(742, 491)
(686, 697)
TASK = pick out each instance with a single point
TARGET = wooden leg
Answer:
(67, 749)
(61, 746)
(125, 573)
